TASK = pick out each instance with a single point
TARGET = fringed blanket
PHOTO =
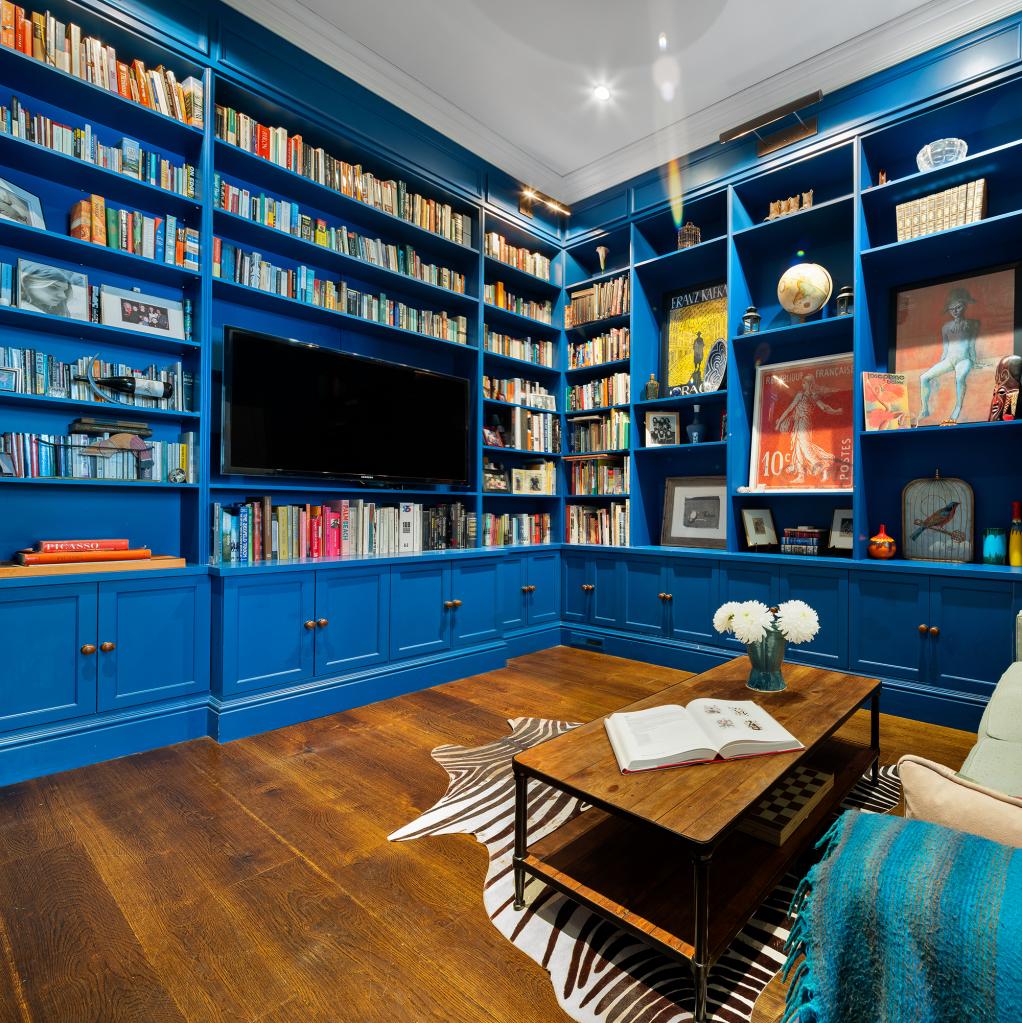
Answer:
(906, 921)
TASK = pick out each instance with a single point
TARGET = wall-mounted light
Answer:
(785, 136)
(529, 197)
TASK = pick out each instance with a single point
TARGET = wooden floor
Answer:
(254, 881)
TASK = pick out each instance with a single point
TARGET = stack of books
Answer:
(606, 432)
(598, 476)
(497, 294)
(606, 526)
(802, 540)
(597, 302)
(954, 207)
(522, 530)
(159, 238)
(519, 391)
(609, 347)
(498, 247)
(599, 393)
(62, 46)
(81, 552)
(527, 349)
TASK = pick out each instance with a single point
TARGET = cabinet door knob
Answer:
(323, 622)
(668, 596)
(588, 587)
(107, 647)
(934, 631)
(662, 596)
(89, 649)
(923, 629)
(448, 604)
(455, 603)
(532, 589)
(525, 589)
(310, 624)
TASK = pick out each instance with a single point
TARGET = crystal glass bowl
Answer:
(940, 152)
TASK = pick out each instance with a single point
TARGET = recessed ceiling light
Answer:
(601, 93)
(662, 40)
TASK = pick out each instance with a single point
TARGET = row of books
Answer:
(521, 530)
(535, 263)
(606, 526)
(81, 457)
(43, 374)
(519, 391)
(612, 390)
(598, 301)
(158, 238)
(126, 157)
(953, 207)
(805, 540)
(599, 476)
(302, 284)
(62, 46)
(599, 433)
(256, 530)
(533, 431)
(527, 349)
(288, 217)
(353, 180)
(609, 347)
(498, 295)
(81, 552)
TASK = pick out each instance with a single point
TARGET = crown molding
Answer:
(929, 26)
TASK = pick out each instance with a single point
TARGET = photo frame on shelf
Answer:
(52, 290)
(529, 481)
(662, 428)
(759, 528)
(802, 429)
(842, 533)
(694, 321)
(20, 206)
(150, 314)
(496, 479)
(6, 464)
(492, 437)
(948, 336)
(10, 378)
(695, 512)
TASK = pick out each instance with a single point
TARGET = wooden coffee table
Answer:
(660, 854)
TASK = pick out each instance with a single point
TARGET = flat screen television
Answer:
(298, 409)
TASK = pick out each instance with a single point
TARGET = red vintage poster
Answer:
(802, 426)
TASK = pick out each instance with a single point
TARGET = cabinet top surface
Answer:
(701, 801)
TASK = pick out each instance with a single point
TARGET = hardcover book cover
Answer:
(885, 401)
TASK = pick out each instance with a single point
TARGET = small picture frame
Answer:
(6, 465)
(20, 206)
(662, 429)
(10, 378)
(492, 438)
(759, 528)
(842, 533)
(695, 512)
(149, 314)
(52, 290)
(529, 481)
(496, 479)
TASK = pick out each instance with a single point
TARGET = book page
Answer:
(741, 727)
(656, 736)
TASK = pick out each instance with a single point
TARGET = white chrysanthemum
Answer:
(797, 621)
(723, 615)
(751, 621)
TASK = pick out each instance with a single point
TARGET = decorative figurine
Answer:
(845, 300)
(882, 177)
(696, 430)
(882, 546)
(936, 520)
(793, 204)
(1004, 403)
(688, 236)
(603, 252)
(652, 387)
(751, 320)
(995, 545)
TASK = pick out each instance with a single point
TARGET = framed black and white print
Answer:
(661, 429)
(20, 206)
(759, 527)
(695, 512)
(842, 536)
(52, 290)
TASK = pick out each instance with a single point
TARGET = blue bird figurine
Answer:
(937, 520)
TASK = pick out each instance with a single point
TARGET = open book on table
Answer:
(705, 730)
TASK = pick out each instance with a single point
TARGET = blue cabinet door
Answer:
(419, 622)
(607, 605)
(45, 675)
(746, 582)
(544, 581)
(693, 586)
(644, 608)
(886, 610)
(576, 574)
(352, 619)
(265, 641)
(160, 635)
(476, 618)
(511, 597)
(826, 592)
(976, 637)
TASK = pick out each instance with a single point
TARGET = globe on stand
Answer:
(804, 289)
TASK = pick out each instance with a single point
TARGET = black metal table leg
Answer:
(521, 815)
(874, 733)
(700, 961)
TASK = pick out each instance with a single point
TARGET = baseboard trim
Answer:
(935, 706)
(683, 656)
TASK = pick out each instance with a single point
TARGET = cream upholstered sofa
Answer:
(985, 796)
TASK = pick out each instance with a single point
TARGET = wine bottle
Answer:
(140, 387)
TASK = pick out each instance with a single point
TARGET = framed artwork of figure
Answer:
(694, 321)
(802, 435)
(947, 339)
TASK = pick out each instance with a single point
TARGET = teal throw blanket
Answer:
(906, 922)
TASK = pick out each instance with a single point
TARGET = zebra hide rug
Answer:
(600, 974)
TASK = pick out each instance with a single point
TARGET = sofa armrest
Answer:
(935, 793)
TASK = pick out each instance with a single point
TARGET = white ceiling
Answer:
(512, 80)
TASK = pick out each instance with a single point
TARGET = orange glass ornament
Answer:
(882, 546)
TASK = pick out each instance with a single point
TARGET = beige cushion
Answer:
(935, 793)
(1002, 718)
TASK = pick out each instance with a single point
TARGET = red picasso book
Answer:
(62, 546)
(80, 557)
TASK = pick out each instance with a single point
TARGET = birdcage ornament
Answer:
(937, 518)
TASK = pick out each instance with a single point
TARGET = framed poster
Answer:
(802, 426)
(948, 337)
(694, 322)
(695, 512)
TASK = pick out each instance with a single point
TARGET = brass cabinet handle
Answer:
(588, 587)
(668, 596)
(532, 589)
(923, 630)
(455, 603)
(310, 624)
(107, 647)
(89, 649)
(448, 604)
(525, 589)
(323, 622)
(934, 631)
(662, 596)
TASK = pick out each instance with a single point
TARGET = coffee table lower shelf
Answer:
(640, 876)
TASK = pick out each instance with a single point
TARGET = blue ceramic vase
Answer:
(766, 656)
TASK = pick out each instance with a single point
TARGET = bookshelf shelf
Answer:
(106, 408)
(513, 404)
(711, 446)
(487, 494)
(521, 451)
(594, 327)
(521, 365)
(603, 275)
(252, 485)
(807, 333)
(973, 429)
(251, 233)
(514, 277)
(606, 453)
(598, 367)
(575, 498)
(495, 315)
(679, 400)
(817, 217)
(571, 413)
(697, 264)
(59, 481)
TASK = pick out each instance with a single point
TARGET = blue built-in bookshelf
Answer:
(240, 647)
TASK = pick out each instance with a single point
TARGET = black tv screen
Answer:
(298, 409)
